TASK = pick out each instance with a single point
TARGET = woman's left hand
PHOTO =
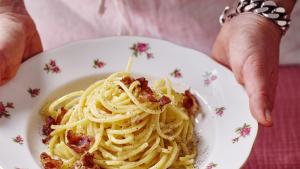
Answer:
(249, 45)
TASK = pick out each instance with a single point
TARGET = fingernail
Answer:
(268, 116)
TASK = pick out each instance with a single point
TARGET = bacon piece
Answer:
(190, 103)
(60, 116)
(127, 80)
(78, 142)
(151, 97)
(49, 163)
(87, 160)
(164, 100)
(146, 96)
(47, 126)
(46, 139)
(144, 85)
(146, 91)
(143, 82)
(51, 121)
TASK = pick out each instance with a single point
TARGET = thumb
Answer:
(260, 81)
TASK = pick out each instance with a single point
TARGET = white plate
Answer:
(226, 130)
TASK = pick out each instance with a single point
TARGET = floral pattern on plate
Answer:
(19, 139)
(140, 48)
(33, 92)
(52, 67)
(220, 111)
(98, 64)
(211, 166)
(176, 73)
(4, 109)
(209, 77)
(242, 132)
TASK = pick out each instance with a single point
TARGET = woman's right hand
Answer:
(19, 39)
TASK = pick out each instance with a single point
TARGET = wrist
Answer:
(262, 22)
(263, 8)
(254, 22)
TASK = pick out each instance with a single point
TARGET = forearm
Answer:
(14, 6)
(287, 4)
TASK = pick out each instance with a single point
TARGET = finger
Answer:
(260, 87)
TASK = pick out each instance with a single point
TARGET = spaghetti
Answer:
(121, 123)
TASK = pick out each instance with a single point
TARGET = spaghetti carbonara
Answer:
(121, 123)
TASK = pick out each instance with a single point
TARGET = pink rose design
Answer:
(206, 81)
(56, 69)
(213, 77)
(51, 67)
(142, 47)
(220, 111)
(33, 92)
(245, 131)
(150, 56)
(98, 64)
(242, 132)
(52, 63)
(209, 77)
(235, 140)
(211, 166)
(176, 73)
(18, 140)
(4, 109)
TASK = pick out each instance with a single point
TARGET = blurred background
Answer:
(63, 21)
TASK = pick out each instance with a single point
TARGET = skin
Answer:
(19, 39)
(248, 45)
